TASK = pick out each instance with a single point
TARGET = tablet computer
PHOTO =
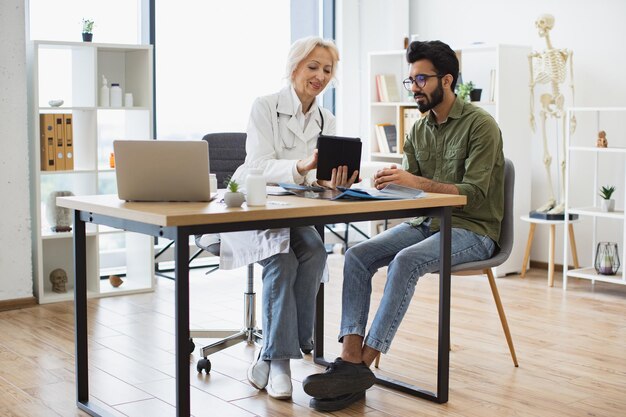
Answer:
(334, 151)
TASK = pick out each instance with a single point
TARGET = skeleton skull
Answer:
(544, 24)
(58, 278)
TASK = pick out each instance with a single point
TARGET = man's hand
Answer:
(339, 178)
(395, 175)
(305, 165)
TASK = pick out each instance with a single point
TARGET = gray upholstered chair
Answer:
(227, 151)
(501, 254)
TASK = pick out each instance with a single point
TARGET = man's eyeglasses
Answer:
(419, 80)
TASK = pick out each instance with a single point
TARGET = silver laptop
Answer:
(162, 170)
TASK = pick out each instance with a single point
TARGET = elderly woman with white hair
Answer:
(282, 139)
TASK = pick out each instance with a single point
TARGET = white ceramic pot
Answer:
(607, 205)
(233, 199)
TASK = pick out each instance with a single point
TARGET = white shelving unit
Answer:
(73, 71)
(605, 164)
(501, 68)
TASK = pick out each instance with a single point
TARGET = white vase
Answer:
(607, 205)
(59, 218)
(233, 199)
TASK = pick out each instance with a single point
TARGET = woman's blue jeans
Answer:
(290, 284)
(410, 253)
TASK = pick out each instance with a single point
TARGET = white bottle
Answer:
(255, 188)
(104, 93)
(116, 95)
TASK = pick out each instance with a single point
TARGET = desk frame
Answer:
(180, 234)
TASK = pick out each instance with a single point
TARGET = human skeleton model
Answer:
(550, 67)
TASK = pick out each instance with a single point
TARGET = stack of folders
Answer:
(390, 192)
(387, 88)
(387, 137)
(56, 142)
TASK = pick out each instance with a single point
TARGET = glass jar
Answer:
(607, 258)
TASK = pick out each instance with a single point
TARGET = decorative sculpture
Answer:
(60, 218)
(550, 67)
(58, 278)
(115, 280)
(602, 142)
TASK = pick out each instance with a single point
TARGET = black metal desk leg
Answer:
(182, 324)
(443, 356)
(80, 309)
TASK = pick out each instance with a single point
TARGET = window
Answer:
(213, 59)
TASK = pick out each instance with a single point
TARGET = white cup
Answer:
(128, 100)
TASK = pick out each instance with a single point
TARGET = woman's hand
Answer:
(339, 178)
(305, 165)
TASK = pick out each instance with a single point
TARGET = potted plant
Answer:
(233, 197)
(463, 90)
(608, 204)
(87, 30)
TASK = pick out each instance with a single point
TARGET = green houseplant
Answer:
(606, 192)
(87, 30)
(233, 197)
(463, 90)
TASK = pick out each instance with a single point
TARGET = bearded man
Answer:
(456, 148)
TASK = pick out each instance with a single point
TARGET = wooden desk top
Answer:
(278, 207)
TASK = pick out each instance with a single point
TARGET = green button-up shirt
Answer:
(465, 150)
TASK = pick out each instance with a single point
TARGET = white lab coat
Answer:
(275, 143)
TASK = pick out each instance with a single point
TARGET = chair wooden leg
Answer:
(531, 234)
(505, 325)
(572, 242)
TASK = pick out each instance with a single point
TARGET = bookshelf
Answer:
(501, 71)
(72, 71)
(587, 168)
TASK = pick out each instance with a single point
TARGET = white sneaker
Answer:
(279, 387)
(258, 373)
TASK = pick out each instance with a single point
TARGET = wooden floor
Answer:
(571, 348)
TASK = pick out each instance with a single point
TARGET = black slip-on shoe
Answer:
(335, 404)
(340, 378)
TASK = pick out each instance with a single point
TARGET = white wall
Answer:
(15, 236)
(593, 31)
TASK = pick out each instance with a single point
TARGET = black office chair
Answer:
(227, 151)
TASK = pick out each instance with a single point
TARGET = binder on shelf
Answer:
(47, 142)
(68, 141)
(379, 89)
(387, 88)
(391, 135)
(381, 138)
(410, 116)
(391, 88)
(59, 141)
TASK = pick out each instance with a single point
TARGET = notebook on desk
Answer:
(162, 170)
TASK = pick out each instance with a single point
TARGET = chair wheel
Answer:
(307, 351)
(204, 364)
(192, 345)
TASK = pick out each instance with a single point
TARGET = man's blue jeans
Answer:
(410, 253)
(290, 284)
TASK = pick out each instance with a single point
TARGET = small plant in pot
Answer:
(463, 90)
(87, 30)
(233, 197)
(608, 204)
